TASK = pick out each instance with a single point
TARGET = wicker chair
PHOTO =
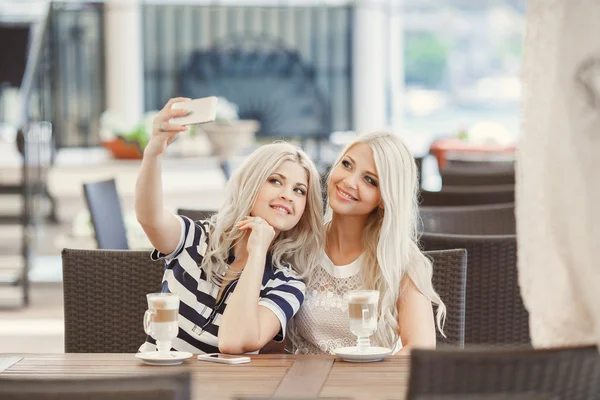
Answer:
(491, 219)
(476, 177)
(419, 163)
(195, 215)
(495, 314)
(449, 280)
(468, 195)
(493, 166)
(105, 299)
(557, 374)
(157, 386)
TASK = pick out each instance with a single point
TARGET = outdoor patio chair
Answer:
(449, 280)
(489, 219)
(105, 300)
(468, 195)
(503, 374)
(195, 215)
(496, 166)
(107, 217)
(495, 314)
(149, 386)
(472, 176)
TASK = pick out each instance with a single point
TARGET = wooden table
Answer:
(266, 375)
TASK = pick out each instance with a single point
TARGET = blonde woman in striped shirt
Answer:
(239, 274)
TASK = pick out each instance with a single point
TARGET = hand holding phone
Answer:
(224, 358)
(202, 110)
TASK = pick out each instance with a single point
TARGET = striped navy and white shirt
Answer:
(199, 312)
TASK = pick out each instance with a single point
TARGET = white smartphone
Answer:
(202, 110)
(224, 358)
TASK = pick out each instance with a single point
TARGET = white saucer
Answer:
(369, 355)
(170, 358)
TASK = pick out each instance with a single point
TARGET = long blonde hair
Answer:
(391, 235)
(300, 246)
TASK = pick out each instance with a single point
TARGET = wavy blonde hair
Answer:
(298, 247)
(391, 234)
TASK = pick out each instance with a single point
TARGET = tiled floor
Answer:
(38, 328)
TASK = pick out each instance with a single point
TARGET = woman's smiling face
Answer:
(353, 187)
(282, 199)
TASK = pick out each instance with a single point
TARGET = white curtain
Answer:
(558, 172)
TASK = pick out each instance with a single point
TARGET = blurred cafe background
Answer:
(80, 82)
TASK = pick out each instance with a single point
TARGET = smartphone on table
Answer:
(224, 358)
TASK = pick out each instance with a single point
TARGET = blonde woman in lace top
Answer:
(371, 244)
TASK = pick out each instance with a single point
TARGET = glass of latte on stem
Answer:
(160, 320)
(362, 310)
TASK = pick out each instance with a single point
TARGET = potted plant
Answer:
(123, 138)
(228, 134)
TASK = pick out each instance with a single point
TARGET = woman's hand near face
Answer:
(164, 132)
(245, 325)
(261, 234)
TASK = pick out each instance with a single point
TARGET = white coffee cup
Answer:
(160, 320)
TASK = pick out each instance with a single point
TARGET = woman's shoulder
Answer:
(194, 235)
(280, 273)
(199, 226)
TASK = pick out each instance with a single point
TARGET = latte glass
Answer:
(362, 310)
(160, 320)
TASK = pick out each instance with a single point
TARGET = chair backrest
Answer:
(557, 374)
(468, 195)
(495, 314)
(490, 219)
(495, 165)
(450, 280)
(105, 299)
(419, 164)
(163, 386)
(195, 215)
(477, 176)
(107, 217)
(111, 287)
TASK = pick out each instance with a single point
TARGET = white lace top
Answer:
(322, 324)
